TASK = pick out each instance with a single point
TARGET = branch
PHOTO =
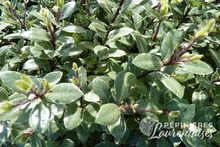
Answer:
(186, 48)
(183, 18)
(197, 84)
(113, 20)
(146, 73)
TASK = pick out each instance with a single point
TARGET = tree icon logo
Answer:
(146, 125)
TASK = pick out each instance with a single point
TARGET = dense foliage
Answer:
(85, 73)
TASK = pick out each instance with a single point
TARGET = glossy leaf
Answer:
(147, 61)
(104, 117)
(121, 89)
(9, 77)
(40, 118)
(64, 93)
(171, 84)
(198, 67)
(72, 117)
(67, 10)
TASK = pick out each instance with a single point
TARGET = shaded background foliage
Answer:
(86, 72)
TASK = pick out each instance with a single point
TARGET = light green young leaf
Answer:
(147, 61)
(67, 10)
(108, 114)
(64, 93)
(23, 85)
(170, 83)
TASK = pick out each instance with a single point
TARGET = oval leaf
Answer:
(171, 84)
(147, 61)
(64, 93)
(67, 10)
(108, 114)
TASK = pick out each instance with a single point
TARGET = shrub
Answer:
(86, 73)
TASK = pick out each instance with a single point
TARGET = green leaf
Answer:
(107, 5)
(143, 141)
(67, 143)
(149, 104)
(34, 64)
(199, 98)
(216, 57)
(9, 78)
(121, 90)
(116, 34)
(90, 112)
(101, 52)
(82, 134)
(171, 84)
(40, 117)
(198, 67)
(36, 35)
(73, 29)
(53, 77)
(169, 43)
(147, 61)
(205, 114)
(72, 116)
(83, 76)
(107, 144)
(101, 89)
(118, 129)
(37, 139)
(69, 49)
(188, 114)
(116, 53)
(64, 93)
(108, 114)
(99, 27)
(130, 79)
(9, 115)
(3, 94)
(176, 104)
(91, 97)
(67, 10)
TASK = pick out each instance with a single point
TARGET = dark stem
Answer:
(197, 84)
(146, 73)
(183, 18)
(113, 20)
(88, 7)
(157, 30)
(18, 17)
(186, 48)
